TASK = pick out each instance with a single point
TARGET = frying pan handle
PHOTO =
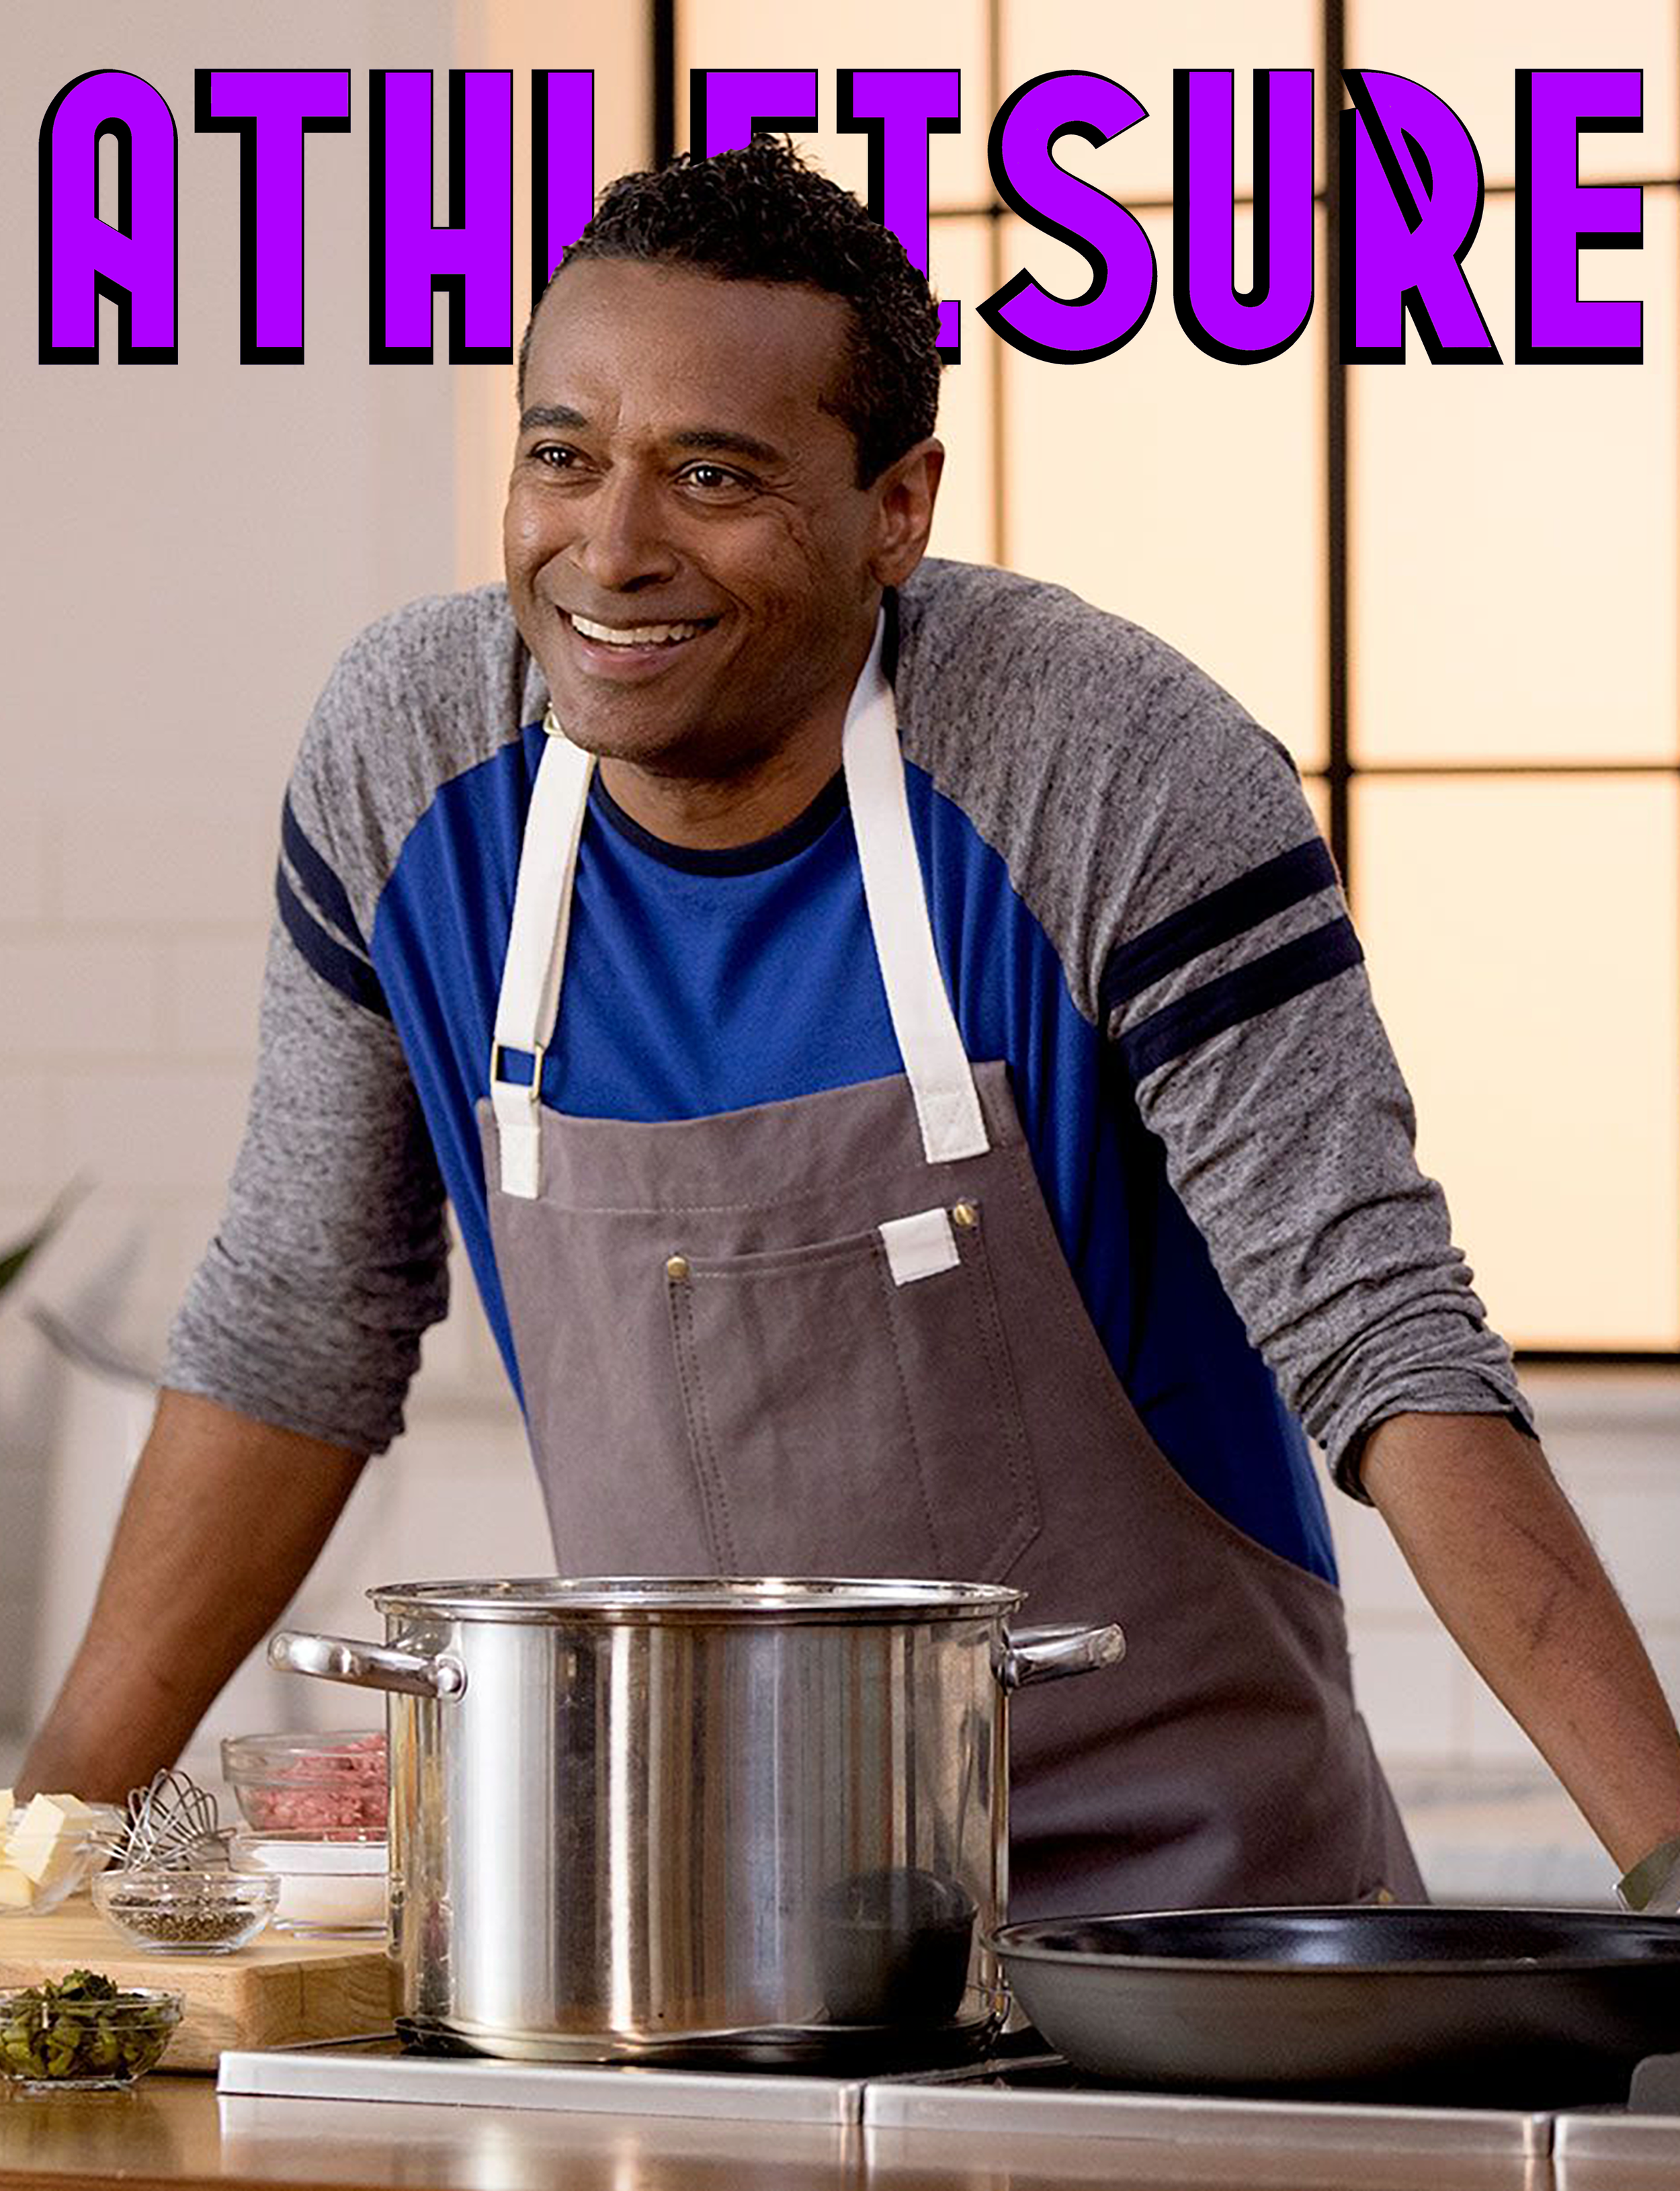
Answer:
(367, 1665)
(1047, 1652)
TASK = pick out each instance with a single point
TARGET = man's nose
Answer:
(622, 540)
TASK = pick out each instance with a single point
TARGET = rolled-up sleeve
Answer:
(1245, 1023)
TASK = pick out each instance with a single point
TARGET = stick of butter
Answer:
(8, 1803)
(49, 1834)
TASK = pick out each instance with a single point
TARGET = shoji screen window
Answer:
(1451, 591)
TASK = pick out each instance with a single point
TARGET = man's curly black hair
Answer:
(762, 215)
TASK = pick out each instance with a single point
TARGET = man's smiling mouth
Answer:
(635, 635)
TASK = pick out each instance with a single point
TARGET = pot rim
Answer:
(717, 1600)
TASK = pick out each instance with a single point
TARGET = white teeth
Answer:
(641, 634)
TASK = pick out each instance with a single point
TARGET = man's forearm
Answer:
(223, 1520)
(1503, 1559)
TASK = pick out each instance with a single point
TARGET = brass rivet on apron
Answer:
(965, 1214)
(676, 1268)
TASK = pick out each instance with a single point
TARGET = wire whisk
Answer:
(171, 1824)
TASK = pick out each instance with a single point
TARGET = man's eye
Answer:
(554, 454)
(712, 479)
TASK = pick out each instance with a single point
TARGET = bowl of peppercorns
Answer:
(198, 1911)
(83, 2033)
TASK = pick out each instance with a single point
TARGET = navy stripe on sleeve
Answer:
(351, 976)
(1270, 888)
(1239, 995)
(331, 898)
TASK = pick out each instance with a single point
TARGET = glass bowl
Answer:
(332, 1884)
(185, 1912)
(78, 1854)
(318, 1782)
(52, 2040)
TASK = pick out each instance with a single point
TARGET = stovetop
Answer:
(1017, 2090)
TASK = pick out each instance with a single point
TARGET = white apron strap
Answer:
(935, 1064)
(948, 1106)
(542, 916)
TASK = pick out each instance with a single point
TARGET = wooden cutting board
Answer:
(272, 1994)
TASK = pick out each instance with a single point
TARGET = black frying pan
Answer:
(1536, 2008)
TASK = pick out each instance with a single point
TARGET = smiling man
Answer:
(700, 596)
(897, 1050)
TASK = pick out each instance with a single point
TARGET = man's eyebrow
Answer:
(551, 414)
(727, 440)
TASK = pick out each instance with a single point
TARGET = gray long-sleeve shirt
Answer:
(1161, 884)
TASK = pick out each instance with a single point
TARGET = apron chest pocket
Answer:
(850, 1406)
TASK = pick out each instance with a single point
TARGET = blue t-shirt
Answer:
(1134, 912)
(699, 981)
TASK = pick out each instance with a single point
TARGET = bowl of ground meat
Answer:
(314, 1782)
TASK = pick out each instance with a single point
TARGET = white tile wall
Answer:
(81, 998)
(1636, 1526)
(160, 1126)
(25, 1110)
(167, 862)
(23, 854)
(187, 548)
(209, 988)
(1406, 1676)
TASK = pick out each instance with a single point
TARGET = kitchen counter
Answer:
(176, 2132)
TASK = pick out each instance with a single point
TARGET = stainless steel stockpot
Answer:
(755, 1820)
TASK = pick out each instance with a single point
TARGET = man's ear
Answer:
(905, 494)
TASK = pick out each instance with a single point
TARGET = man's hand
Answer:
(223, 1519)
(1503, 1559)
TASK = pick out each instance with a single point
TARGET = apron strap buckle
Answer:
(518, 1124)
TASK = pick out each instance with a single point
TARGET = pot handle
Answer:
(1047, 1651)
(367, 1665)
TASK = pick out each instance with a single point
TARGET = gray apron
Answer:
(837, 1335)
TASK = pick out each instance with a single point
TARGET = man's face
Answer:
(676, 478)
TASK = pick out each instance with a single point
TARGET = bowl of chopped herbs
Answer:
(83, 2032)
